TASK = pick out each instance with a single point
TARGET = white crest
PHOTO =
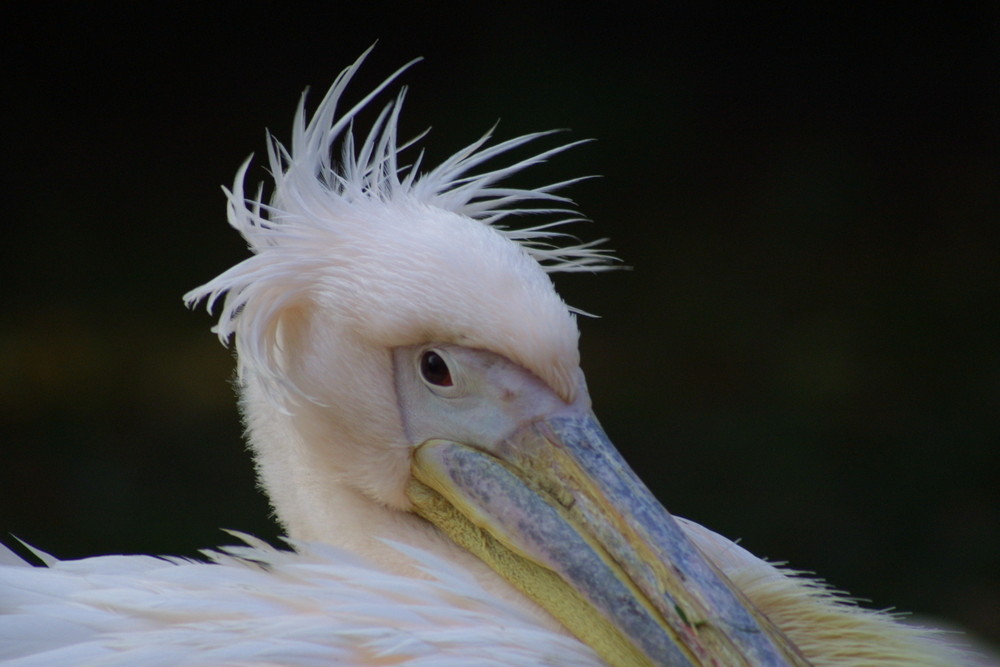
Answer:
(332, 191)
(372, 172)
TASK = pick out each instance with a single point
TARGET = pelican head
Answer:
(407, 372)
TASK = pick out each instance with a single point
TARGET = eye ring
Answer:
(434, 369)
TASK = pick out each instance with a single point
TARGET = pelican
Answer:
(411, 388)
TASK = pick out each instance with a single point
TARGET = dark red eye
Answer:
(434, 370)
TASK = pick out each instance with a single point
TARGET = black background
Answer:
(805, 354)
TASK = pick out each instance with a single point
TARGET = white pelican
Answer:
(414, 403)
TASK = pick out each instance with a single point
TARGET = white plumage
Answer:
(362, 266)
(256, 605)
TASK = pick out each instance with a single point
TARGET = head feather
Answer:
(328, 223)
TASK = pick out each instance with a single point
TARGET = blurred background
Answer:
(805, 354)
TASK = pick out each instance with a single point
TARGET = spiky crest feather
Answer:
(320, 203)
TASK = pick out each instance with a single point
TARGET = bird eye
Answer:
(434, 369)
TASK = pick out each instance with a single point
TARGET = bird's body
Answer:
(253, 604)
(411, 387)
(256, 605)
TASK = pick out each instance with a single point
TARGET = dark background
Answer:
(806, 354)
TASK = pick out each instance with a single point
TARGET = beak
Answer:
(556, 511)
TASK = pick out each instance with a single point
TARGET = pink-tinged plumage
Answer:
(256, 605)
